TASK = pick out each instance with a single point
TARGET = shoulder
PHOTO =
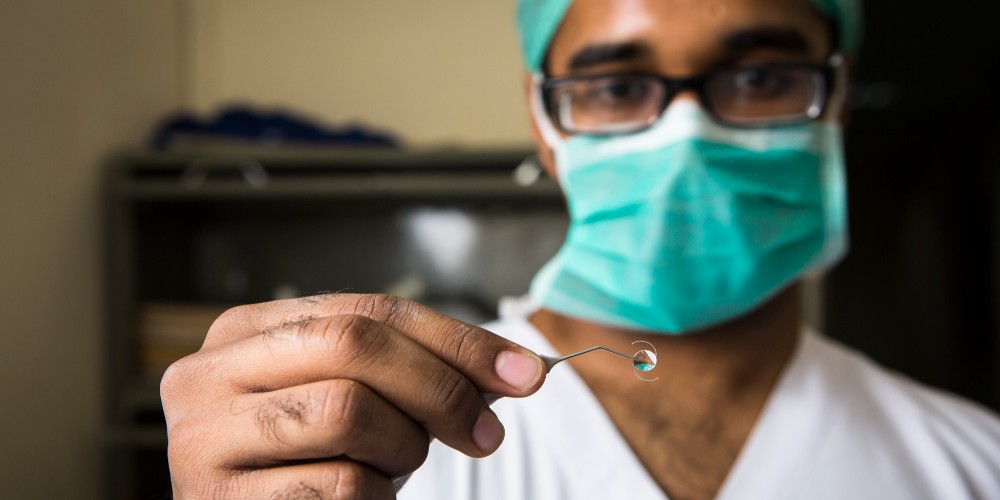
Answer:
(884, 395)
(903, 434)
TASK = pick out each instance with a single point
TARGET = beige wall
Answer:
(438, 72)
(80, 78)
(76, 79)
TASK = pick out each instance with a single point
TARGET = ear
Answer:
(545, 155)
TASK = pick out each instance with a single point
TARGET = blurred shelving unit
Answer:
(192, 234)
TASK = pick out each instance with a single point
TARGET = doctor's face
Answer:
(683, 38)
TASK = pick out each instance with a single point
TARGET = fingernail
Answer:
(516, 369)
(488, 432)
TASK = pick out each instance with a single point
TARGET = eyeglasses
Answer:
(742, 96)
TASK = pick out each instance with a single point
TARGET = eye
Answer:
(620, 91)
(606, 103)
(762, 82)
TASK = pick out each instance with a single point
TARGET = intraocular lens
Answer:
(644, 360)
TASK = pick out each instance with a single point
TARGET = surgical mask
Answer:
(690, 224)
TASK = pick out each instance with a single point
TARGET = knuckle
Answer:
(465, 342)
(180, 377)
(192, 454)
(350, 335)
(172, 381)
(343, 408)
(413, 459)
(448, 392)
(234, 316)
(342, 480)
(299, 491)
(382, 307)
(348, 481)
(421, 456)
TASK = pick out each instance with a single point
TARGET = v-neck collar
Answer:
(603, 453)
(781, 449)
(773, 462)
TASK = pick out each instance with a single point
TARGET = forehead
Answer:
(683, 33)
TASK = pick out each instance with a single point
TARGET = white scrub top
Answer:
(836, 427)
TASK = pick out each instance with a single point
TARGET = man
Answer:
(698, 144)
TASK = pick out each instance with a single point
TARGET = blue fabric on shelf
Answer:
(273, 128)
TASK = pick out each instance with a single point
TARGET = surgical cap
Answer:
(538, 20)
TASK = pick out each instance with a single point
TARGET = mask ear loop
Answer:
(834, 177)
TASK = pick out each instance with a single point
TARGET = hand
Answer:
(333, 396)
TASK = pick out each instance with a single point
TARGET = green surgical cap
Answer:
(538, 20)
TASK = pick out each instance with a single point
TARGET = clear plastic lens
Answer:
(644, 361)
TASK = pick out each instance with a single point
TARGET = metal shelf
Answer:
(174, 219)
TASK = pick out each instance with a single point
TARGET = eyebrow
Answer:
(605, 53)
(737, 42)
(785, 39)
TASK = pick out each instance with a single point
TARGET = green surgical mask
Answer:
(690, 224)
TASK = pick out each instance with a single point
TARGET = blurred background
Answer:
(165, 159)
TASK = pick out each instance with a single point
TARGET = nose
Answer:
(689, 97)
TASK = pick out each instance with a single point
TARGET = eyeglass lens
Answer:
(741, 96)
(765, 95)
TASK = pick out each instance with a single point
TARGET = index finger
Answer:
(495, 364)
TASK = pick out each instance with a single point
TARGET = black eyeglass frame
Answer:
(674, 86)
